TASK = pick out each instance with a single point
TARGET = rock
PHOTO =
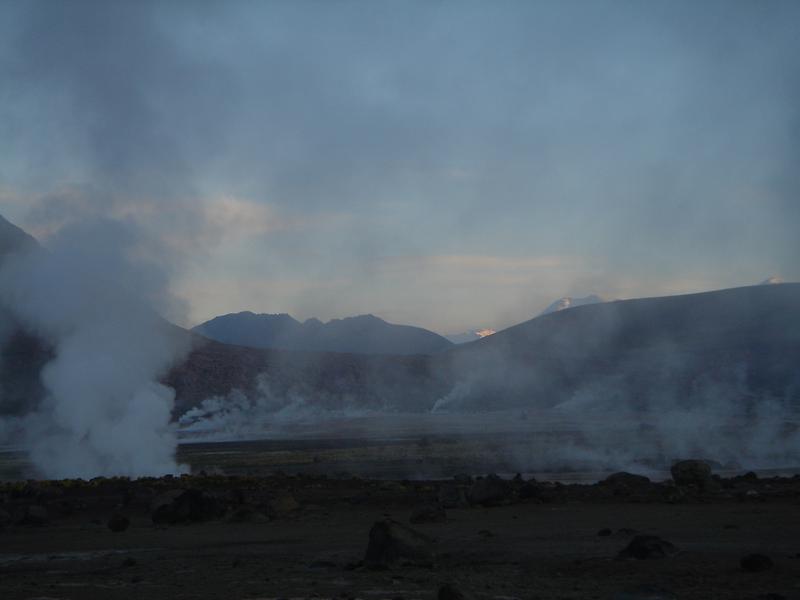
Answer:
(247, 514)
(528, 490)
(283, 504)
(188, 507)
(645, 592)
(129, 562)
(489, 491)
(755, 563)
(451, 592)
(605, 532)
(119, 522)
(625, 479)
(390, 542)
(691, 472)
(393, 486)
(645, 547)
(34, 515)
(428, 513)
(452, 496)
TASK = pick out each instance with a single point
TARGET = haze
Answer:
(450, 165)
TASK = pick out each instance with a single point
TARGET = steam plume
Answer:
(104, 412)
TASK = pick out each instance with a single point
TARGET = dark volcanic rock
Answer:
(187, 507)
(34, 515)
(119, 522)
(489, 491)
(451, 592)
(755, 563)
(691, 472)
(451, 495)
(624, 479)
(428, 513)
(644, 547)
(390, 542)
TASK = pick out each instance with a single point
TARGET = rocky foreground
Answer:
(625, 538)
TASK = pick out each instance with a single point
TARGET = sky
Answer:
(452, 165)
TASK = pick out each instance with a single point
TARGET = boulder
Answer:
(628, 480)
(34, 515)
(391, 542)
(691, 472)
(190, 506)
(489, 491)
(451, 592)
(283, 504)
(118, 522)
(428, 513)
(646, 547)
(755, 563)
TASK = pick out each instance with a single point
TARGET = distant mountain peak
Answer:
(773, 280)
(571, 302)
(470, 336)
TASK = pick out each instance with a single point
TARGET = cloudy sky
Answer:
(446, 164)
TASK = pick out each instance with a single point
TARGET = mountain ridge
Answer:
(364, 334)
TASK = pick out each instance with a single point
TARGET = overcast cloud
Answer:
(447, 164)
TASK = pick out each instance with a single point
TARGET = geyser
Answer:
(104, 411)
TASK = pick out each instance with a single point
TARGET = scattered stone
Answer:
(390, 542)
(190, 506)
(429, 513)
(756, 563)
(691, 472)
(489, 491)
(34, 515)
(118, 522)
(646, 547)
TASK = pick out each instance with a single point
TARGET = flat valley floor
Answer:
(306, 536)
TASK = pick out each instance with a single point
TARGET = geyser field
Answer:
(631, 449)
(374, 300)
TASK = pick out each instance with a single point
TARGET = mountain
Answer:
(365, 334)
(13, 239)
(735, 343)
(736, 346)
(470, 336)
(570, 302)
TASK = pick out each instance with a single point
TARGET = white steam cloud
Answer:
(104, 411)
